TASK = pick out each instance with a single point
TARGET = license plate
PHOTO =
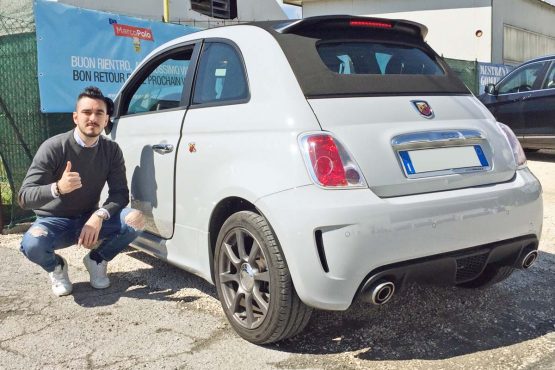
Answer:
(458, 159)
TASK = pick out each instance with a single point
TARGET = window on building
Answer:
(221, 9)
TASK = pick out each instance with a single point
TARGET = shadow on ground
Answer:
(421, 322)
(86, 296)
(432, 323)
(160, 282)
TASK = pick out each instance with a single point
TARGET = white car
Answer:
(303, 164)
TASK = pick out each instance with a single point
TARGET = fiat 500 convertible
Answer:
(305, 164)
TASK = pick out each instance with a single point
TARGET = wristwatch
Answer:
(102, 214)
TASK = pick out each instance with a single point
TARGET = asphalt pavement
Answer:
(157, 316)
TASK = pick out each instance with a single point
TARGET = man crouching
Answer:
(63, 187)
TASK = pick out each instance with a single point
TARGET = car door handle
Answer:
(162, 148)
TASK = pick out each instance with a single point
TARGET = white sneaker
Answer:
(60, 280)
(97, 271)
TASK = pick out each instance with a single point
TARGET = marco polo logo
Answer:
(133, 32)
(136, 33)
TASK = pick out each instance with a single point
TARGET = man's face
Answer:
(90, 117)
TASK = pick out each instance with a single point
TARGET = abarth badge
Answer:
(423, 108)
(192, 148)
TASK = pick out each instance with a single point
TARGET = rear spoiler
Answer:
(338, 22)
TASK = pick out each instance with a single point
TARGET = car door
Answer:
(539, 111)
(216, 134)
(512, 91)
(149, 116)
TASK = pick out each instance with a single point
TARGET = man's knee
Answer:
(135, 220)
(34, 241)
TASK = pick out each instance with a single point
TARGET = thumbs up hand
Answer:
(69, 180)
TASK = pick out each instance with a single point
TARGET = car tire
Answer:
(253, 281)
(491, 275)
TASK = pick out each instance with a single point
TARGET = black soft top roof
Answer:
(298, 39)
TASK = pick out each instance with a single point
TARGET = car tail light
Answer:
(370, 24)
(329, 163)
(518, 152)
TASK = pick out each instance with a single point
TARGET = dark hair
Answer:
(94, 92)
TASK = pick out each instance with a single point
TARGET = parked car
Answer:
(524, 100)
(304, 164)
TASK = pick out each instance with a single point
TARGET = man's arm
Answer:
(118, 198)
(118, 192)
(36, 189)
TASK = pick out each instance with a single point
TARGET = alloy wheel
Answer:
(244, 278)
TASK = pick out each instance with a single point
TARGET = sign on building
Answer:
(489, 73)
(79, 48)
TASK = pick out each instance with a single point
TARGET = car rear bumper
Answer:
(456, 267)
(335, 240)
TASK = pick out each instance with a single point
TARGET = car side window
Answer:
(161, 87)
(521, 80)
(221, 75)
(549, 82)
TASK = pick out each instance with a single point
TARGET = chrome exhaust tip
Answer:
(529, 259)
(382, 292)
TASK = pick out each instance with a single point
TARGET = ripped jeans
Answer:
(50, 233)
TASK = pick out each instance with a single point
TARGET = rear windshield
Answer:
(332, 58)
(372, 58)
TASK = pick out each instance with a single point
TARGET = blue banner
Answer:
(489, 73)
(80, 47)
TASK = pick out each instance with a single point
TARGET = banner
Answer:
(80, 47)
(489, 73)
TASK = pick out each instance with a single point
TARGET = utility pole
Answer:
(166, 10)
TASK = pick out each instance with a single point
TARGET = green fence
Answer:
(467, 72)
(22, 126)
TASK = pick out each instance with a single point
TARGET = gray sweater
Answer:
(97, 166)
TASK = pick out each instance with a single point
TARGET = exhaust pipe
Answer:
(382, 292)
(529, 259)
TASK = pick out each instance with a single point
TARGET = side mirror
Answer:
(110, 112)
(109, 126)
(490, 89)
(113, 108)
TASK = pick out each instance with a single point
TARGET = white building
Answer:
(496, 31)
(186, 11)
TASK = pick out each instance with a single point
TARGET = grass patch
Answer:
(6, 193)
(5, 189)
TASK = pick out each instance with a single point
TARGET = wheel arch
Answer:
(221, 212)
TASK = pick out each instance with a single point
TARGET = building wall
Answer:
(523, 29)
(452, 24)
(248, 10)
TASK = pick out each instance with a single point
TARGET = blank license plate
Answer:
(469, 158)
